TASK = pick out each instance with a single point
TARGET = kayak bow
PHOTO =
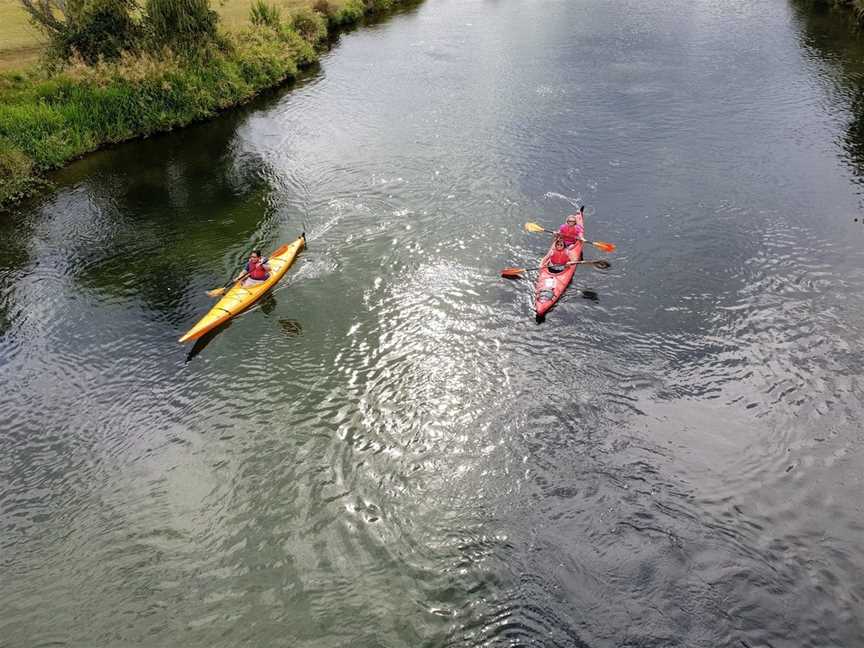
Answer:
(239, 298)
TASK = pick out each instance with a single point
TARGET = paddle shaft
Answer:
(554, 233)
(513, 273)
(241, 277)
(569, 263)
(215, 292)
(600, 245)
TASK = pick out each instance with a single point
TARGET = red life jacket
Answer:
(256, 270)
(571, 233)
(559, 258)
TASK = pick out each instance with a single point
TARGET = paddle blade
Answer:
(512, 273)
(533, 227)
(601, 264)
(589, 294)
(606, 247)
(216, 292)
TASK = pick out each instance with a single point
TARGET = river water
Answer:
(390, 451)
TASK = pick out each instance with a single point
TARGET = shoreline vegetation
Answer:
(128, 70)
(856, 7)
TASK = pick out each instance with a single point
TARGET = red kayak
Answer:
(551, 285)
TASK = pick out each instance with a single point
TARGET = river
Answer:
(390, 451)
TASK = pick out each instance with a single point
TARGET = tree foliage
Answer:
(91, 29)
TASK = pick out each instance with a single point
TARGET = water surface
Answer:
(390, 452)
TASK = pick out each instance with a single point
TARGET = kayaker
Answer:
(573, 229)
(559, 258)
(257, 270)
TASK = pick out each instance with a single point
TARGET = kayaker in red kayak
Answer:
(257, 270)
(573, 229)
(559, 258)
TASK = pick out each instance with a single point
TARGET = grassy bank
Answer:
(46, 120)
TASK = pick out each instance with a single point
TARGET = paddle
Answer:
(600, 245)
(218, 292)
(515, 273)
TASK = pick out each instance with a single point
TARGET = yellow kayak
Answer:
(239, 298)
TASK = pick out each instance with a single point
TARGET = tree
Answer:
(93, 29)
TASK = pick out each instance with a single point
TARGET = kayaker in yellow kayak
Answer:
(257, 270)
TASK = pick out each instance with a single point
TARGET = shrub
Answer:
(182, 25)
(378, 5)
(16, 171)
(311, 25)
(91, 29)
(351, 12)
(323, 7)
(104, 29)
(262, 14)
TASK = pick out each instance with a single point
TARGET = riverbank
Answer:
(47, 120)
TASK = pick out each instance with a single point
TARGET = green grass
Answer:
(46, 120)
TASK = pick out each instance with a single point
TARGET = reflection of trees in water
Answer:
(290, 327)
(155, 212)
(16, 231)
(854, 141)
(832, 33)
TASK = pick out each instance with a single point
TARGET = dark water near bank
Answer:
(390, 452)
